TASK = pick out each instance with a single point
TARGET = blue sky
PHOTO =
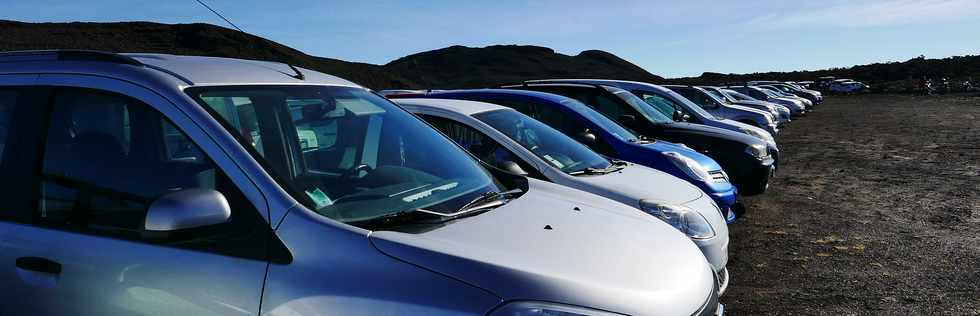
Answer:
(669, 38)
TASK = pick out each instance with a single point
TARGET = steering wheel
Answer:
(354, 173)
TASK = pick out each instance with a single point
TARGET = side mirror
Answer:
(512, 167)
(586, 138)
(185, 209)
(681, 117)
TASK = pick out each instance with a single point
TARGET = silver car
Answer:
(160, 184)
(779, 112)
(503, 137)
(718, 108)
(760, 94)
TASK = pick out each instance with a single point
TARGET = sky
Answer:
(667, 38)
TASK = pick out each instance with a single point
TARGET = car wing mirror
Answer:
(185, 210)
(587, 138)
(511, 167)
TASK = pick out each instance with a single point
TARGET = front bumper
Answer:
(753, 177)
(715, 249)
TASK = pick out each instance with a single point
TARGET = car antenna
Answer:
(299, 75)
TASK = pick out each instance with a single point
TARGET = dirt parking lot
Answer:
(875, 210)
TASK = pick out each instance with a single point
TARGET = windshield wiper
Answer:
(590, 171)
(394, 219)
(485, 201)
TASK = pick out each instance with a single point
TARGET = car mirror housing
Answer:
(587, 138)
(185, 209)
(511, 167)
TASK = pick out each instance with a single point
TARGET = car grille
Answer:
(718, 176)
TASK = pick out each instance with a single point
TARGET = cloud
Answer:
(873, 13)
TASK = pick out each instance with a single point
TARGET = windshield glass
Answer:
(550, 145)
(718, 96)
(638, 104)
(347, 153)
(770, 93)
(738, 95)
(604, 122)
(689, 105)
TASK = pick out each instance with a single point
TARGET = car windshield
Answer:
(718, 96)
(638, 104)
(550, 145)
(347, 153)
(689, 105)
(604, 122)
(738, 95)
(713, 95)
(770, 93)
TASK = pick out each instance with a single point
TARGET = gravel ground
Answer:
(875, 210)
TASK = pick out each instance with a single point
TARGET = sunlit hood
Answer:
(561, 245)
(640, 182)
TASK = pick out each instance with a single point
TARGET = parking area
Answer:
(876, 210)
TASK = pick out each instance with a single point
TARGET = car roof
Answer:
(508, 92)
(465, 107)
(175, 69)
(202, 70)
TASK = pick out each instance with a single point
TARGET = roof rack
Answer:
(68, 55)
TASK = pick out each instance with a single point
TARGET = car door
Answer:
(74, 242)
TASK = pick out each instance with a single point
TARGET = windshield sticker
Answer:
(321, 199)
(554, 161)
(427, 193)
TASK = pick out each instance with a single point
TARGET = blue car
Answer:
(606, 137)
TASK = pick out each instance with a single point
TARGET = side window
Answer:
(107, 157)
(480, 145)
(664, 105)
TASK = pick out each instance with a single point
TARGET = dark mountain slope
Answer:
(464, 67)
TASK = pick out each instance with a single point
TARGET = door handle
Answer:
(38, 264)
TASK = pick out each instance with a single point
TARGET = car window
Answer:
(567, 123)
(480, 145)
(552, 146)
(697, 97)
(658, 102)
(108, 157)
(347, 153)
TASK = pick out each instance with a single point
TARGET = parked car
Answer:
(159, 184)
(673, 105)
(500, 136)
(758, 118)
(780, 113)
(602, 135)
(749, 160)
(759, 94)
(792, 88)
(806, 103)
(847, 86)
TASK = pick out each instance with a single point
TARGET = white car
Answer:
(512, 141)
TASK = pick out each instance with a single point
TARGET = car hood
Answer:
(717, 132)
(660, 147)
(748, 109)
(755, 103)
(561, 245)
(658, 185)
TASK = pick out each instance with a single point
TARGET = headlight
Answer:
(686, 220)
(689, 166)
(763, 135)
(757, 150)
(545, 309)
